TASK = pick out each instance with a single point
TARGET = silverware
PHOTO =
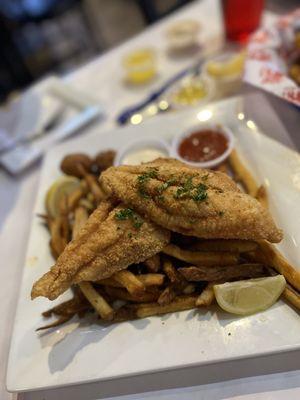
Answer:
(52, 123)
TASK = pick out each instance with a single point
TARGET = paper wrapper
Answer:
(268, 53)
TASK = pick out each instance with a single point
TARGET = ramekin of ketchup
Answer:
(204, 146)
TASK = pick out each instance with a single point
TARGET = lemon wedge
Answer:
(249, 296)
(222, 69)
(60, 188)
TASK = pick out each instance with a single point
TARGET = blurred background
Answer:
(42, 36)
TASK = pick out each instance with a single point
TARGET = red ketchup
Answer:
(202, 146)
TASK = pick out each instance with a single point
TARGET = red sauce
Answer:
(203, 146)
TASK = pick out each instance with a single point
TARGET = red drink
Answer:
(241, 18)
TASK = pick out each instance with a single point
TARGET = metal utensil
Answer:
(52, 123)
(154, 96)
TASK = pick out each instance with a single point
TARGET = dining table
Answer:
(275, 377)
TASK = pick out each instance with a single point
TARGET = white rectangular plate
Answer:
(84, 352)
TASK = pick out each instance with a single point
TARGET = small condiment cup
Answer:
(229, 82)
(140, 66)
(189, 81)
(183, 34)
(198, 128)
(140, 144)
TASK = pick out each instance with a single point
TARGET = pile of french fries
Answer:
(181, 277)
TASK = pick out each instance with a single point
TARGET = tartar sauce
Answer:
(139, 156)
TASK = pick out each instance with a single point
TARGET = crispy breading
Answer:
(195, 202)
(105, 245)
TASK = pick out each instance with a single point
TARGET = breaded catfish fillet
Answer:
(112, 239)
(190, 201)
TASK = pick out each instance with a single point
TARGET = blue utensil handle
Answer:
(129, 112)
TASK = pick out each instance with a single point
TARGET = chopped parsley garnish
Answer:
(137, 222)
(143, 180)
(201, 192)
(190, 191)
(188, 185)
(128, 213)
(185, 189)
(165, 185)
(162, 187)
(179, 193)
(204, 177)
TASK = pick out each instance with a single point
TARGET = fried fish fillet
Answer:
(190, 201)
(111, 240)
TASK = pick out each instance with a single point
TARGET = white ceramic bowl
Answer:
(207, 164)
(139, 144)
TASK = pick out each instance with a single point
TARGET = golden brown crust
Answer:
(226, 212)
(104, 246)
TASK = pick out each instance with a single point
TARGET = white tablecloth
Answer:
(103, 77)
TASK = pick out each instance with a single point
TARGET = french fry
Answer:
(155, 290)
(69, 307)
(125, 313)
(95, 188)
(201, 258)
(189, 288)
(90, 197)
(56, 323)
(86, 203)
(180, 303)
(146, 279)
(66, 310)
(64, 220)
(153, 263)
(223, 168)
(46, 218)
(151, 279)
(262, 196)
(292, 296)
(272, 257)
(222, 245)
(196, 274)
(109, 282)
(134, 311)
(171, 272)
(206, 297)
(97, 301)
(75, 196)
(242, 174)
(80, 218)
(166, 296)
(65, 229)
(129, 281)
(57, 242)
(53, 251)
(92, 184)
(122, 294)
